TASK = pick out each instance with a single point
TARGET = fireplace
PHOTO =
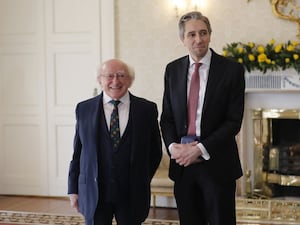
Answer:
(270, 135)
(276, 141)
(269, 190)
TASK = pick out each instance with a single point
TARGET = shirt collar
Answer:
(125, 99)
(205, 60)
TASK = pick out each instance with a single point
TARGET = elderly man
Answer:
(117, 149)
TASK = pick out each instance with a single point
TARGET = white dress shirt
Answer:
(123, 109)
(203, 73)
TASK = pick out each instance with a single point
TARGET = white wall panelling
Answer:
(23, 148)
(49, 51)
(23, 167)
(72, 31)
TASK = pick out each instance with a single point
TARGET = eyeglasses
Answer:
(111, 76)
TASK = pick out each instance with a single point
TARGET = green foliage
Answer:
(266, 57)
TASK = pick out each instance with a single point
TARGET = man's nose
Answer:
(198, 38)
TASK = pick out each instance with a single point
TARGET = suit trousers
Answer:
(203, 200)
(106, 211)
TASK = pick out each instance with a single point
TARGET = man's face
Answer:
(114, 79)
(196, 38)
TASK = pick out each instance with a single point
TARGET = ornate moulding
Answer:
(288, 10)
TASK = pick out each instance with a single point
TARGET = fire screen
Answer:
(276, 152)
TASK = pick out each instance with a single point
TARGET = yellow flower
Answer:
(251, 57)
(261, 57)
(278, 48)
(261, 49)
(265, 57)
(251, 44)
(290, 48)
(272, 42)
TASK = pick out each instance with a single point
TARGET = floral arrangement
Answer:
(270, 57)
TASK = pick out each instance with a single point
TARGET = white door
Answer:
(49, 51)
(23, 146)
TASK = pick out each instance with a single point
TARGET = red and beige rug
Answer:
(33, 218)
(28, 218)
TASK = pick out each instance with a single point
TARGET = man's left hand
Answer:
(186, 154)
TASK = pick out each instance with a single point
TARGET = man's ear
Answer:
(99, 81)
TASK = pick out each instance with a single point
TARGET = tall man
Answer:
(117, 149)
(202, 113)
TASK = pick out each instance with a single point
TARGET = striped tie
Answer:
(114, 124)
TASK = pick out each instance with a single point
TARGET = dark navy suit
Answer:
(98, 173)
(222, 115)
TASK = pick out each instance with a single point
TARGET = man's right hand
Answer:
(186, 154)
(74, 201)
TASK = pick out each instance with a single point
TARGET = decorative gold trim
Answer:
(285, 180)
(288, 10)
(281, 114)
(271, 211)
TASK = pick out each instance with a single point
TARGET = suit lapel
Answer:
(96, 118)
(214, 71)
(180, 80)
(134, 115)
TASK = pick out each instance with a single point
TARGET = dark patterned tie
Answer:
(114, 124)
(193, 100)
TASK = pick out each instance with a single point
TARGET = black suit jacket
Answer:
(222, 114)
(146, 154)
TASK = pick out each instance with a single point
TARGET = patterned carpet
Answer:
(26, 218)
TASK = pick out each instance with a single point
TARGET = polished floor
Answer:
(60, 205)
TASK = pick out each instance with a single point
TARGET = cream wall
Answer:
(45, 57)
(147, 37)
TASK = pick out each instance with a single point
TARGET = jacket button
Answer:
(96, 180)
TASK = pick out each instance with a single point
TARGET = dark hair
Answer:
(189, 16)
